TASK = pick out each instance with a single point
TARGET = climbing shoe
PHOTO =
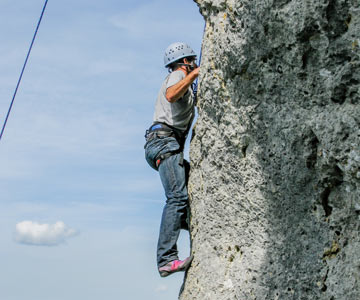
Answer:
(175, 266)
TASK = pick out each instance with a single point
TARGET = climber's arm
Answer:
(176, 91)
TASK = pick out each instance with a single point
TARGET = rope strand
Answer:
(23, 69)
(195, 86)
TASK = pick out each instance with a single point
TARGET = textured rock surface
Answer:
(275, 182)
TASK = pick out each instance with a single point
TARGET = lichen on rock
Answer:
(275, 156)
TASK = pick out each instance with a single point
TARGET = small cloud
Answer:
(32, 233)
(161, 288)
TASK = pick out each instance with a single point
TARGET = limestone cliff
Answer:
(275, 181)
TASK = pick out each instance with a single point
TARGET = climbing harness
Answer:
(164, 156)
(23, 69)
(163, 130)
(160, 130)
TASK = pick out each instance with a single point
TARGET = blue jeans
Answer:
(174, 172)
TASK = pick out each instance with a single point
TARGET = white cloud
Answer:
(33, 233)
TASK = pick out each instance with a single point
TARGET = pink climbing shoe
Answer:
(175, 266)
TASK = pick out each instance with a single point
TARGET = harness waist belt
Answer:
(159, 129)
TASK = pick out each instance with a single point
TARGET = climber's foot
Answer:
(175, 266)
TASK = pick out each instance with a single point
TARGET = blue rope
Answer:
(23, 69)
(195, 87)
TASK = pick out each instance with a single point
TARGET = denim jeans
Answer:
(174, 172)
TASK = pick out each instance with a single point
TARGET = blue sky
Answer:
(79, 207)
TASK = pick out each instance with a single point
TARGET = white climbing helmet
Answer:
(177, 51)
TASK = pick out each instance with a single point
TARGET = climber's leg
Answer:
(173, 177)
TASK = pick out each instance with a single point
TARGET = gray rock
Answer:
(275, 184)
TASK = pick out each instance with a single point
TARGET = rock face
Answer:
(275, 180)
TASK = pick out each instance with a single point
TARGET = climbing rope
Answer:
(195, 86)
(23, 69)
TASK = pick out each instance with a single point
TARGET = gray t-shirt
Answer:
(178, 114)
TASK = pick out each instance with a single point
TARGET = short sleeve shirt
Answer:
(178, 114)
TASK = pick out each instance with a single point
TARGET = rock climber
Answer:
(165, 139)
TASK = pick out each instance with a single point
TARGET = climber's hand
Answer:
(196, 71)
